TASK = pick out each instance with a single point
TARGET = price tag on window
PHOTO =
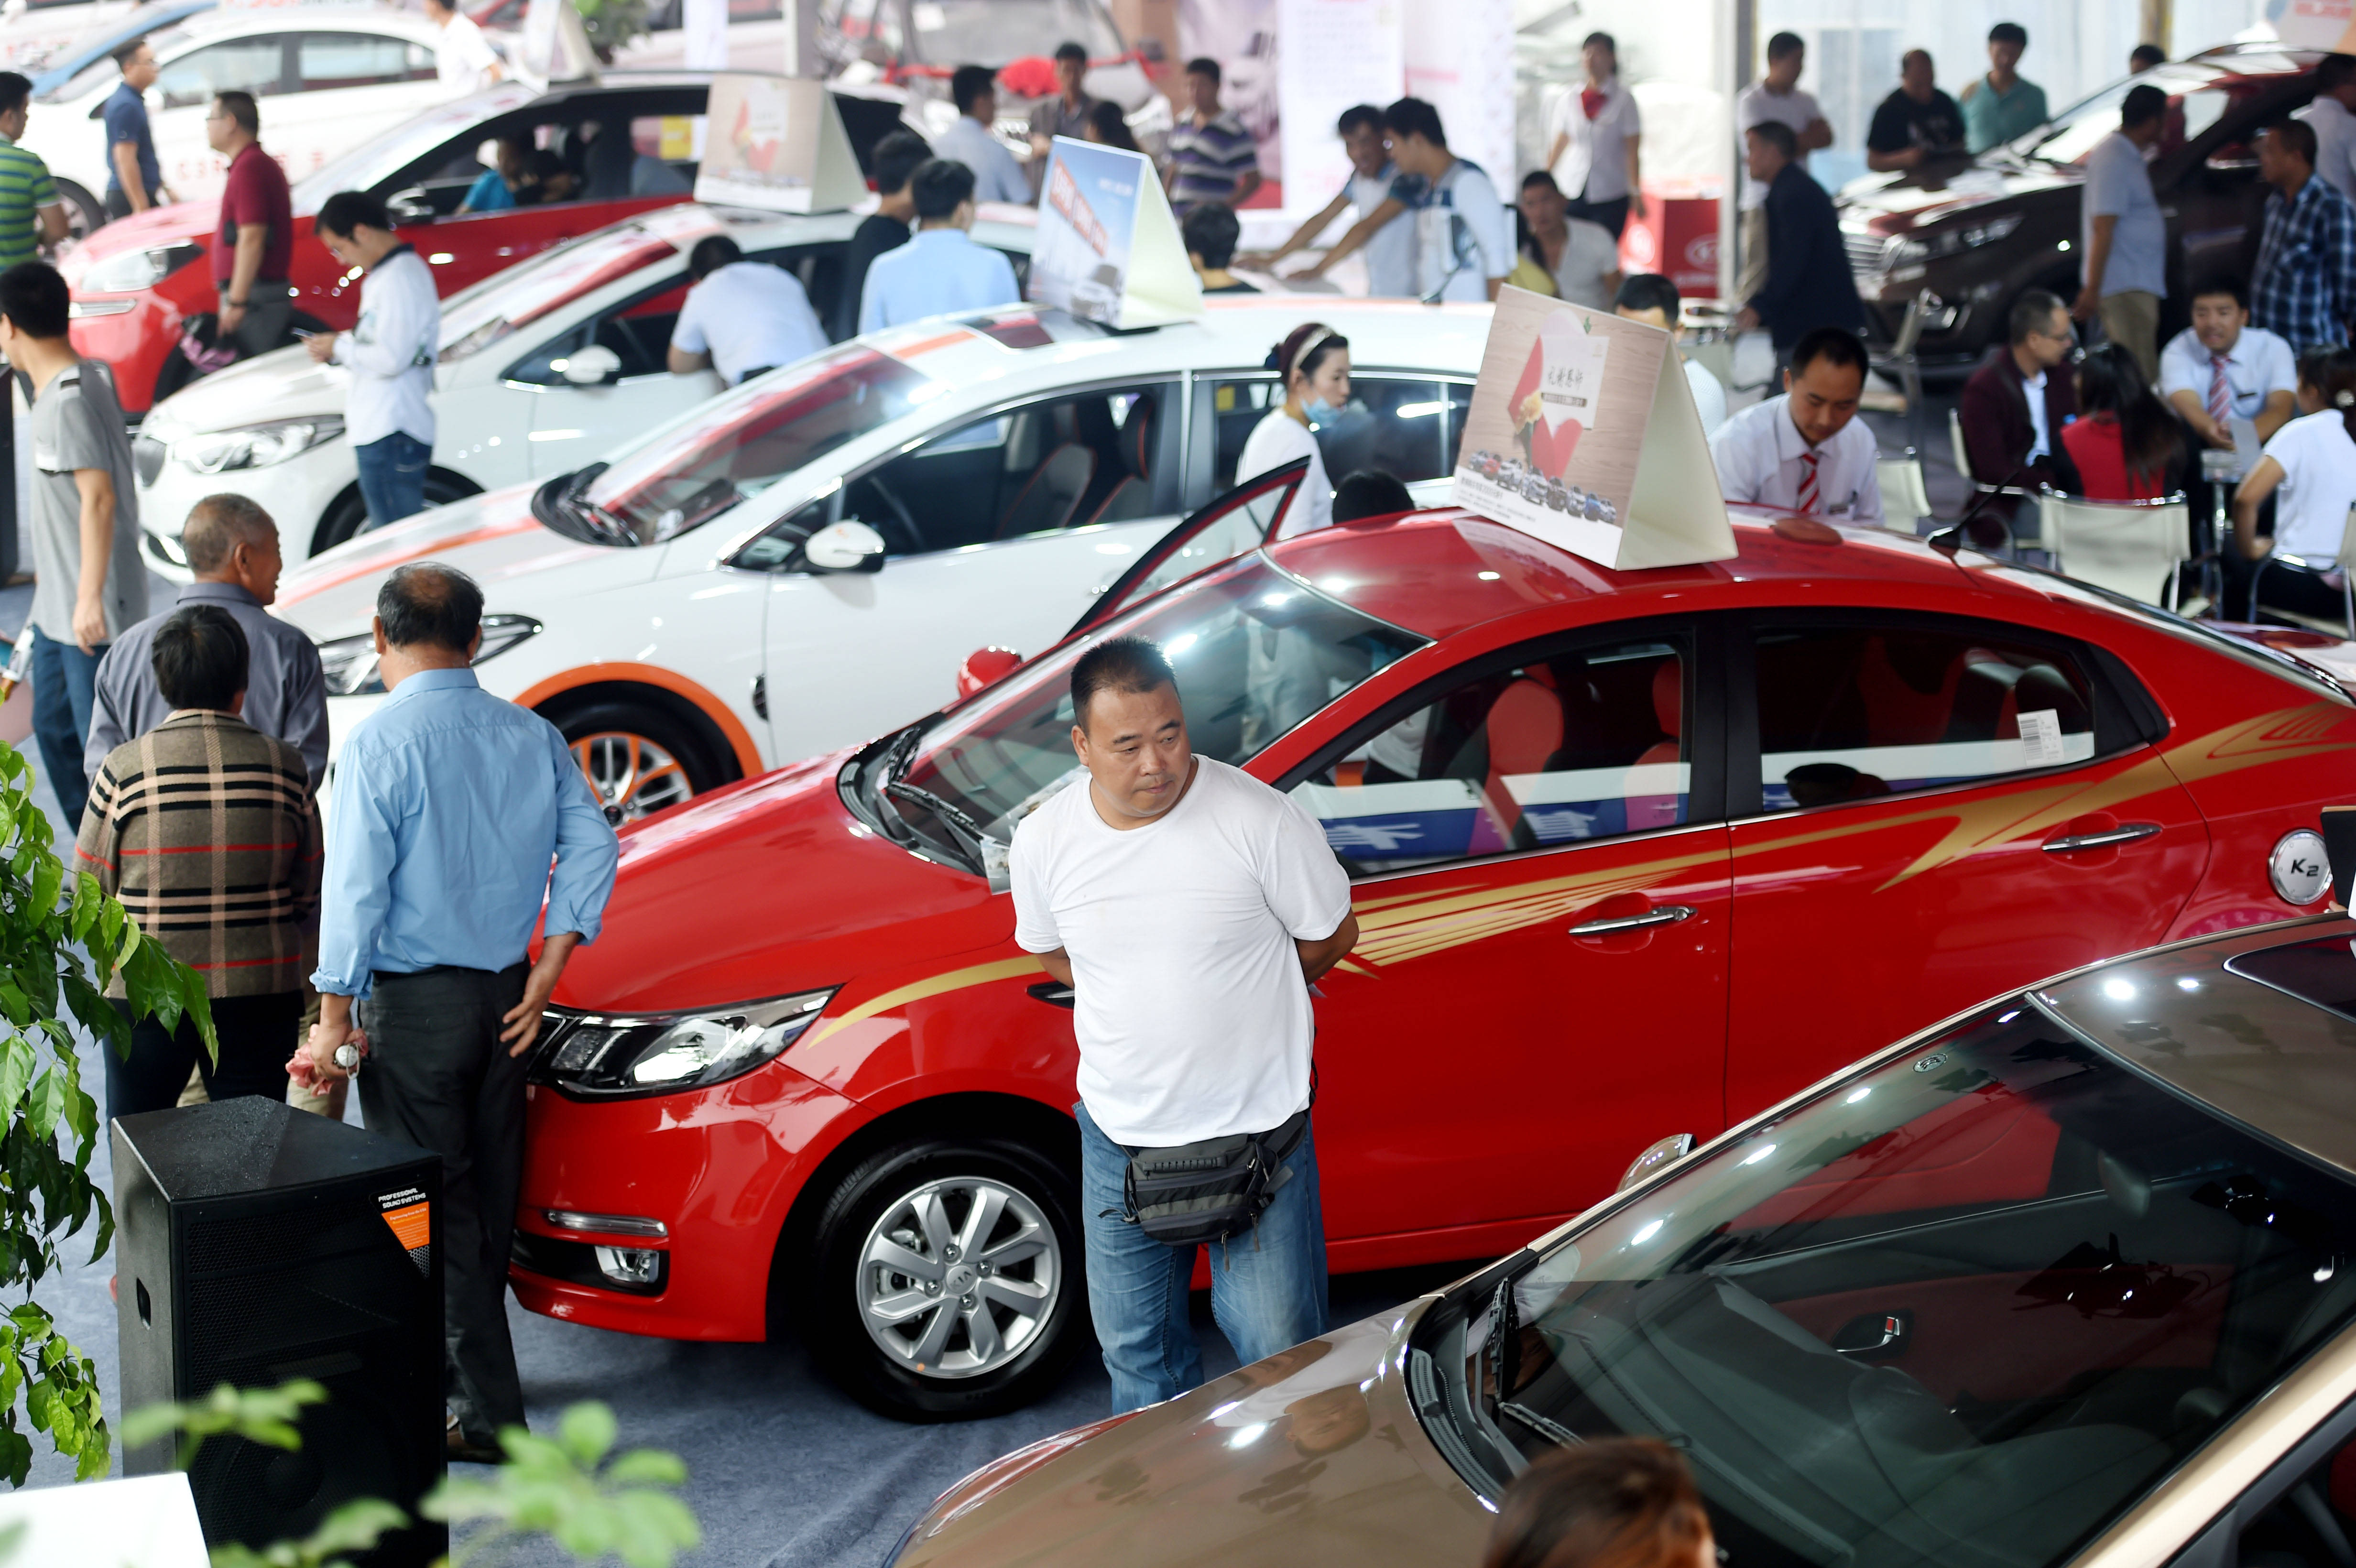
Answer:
(2040, 739)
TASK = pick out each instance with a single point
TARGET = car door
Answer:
(1407, 426)
(347, 87)
(999, 530)
(1930, 810)
(183, 96)
(574, 424)
(1540, 872)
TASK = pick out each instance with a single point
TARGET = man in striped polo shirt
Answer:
(31, 215)
(1212, 156)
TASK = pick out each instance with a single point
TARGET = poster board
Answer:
(1108, 248)
(2326, 25)
(778, 144)
(1335, 54)
(1583, 433)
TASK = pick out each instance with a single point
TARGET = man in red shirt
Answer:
(256, 242)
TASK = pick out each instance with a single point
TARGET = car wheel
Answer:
(84, 213)
(638, 759)
(345, 518)
(947, 1283)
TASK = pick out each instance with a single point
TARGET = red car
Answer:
(1634, 851)
(137, 279)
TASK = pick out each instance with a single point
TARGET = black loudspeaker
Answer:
(255, 1244)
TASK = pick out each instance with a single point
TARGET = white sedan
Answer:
(756, 581)
(330, 79)
(545, 367)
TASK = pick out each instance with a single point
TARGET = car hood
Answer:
(493, 537)
(769, 887)
(1885, 205)
(286, 383)
(1312, 1456)
(197, 220)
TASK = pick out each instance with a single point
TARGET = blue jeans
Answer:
(393, 477)
(1268, 1284)
(65, 691)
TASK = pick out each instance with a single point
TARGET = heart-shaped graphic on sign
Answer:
(1554, 401)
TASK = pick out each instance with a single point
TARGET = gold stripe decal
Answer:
(954, 980)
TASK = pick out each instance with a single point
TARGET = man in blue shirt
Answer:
(941, 270)
(972, 142)
(135, 181)
(450, 804)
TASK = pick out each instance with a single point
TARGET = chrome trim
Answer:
(1667, 915)
(2205, 1486)
(605, 1224)
(2125, 833)
(824, 993)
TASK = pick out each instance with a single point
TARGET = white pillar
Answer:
(707, 34)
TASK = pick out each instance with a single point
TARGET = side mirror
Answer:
(591, 367)
(847, 546)
(986, 666)
(411, 205)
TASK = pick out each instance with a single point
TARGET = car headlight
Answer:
(350, 663)
(665, 1054)
(255, 445)
(134, 270)
(1954, 241)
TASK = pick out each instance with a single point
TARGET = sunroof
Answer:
(2321, 971)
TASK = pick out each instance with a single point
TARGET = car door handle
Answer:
(1055, 993)
(2125, 833)
(1667, 915)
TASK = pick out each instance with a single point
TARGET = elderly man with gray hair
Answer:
(232, 548)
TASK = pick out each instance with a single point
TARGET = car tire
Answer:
(84, 213)
(344, 518)
(1033, 1250)
(639, 759)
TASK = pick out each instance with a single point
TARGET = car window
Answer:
(1559, 749)
(1854, 712)
(638, 332)
(483, 315)
(1100, 456)
(242, 65)
(2197, 99)
(1409, 426)
(359, 59)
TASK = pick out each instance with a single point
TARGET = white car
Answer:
(545, 367)
(756, 581)
(328, 79)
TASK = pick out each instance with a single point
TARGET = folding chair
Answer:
(1899, 363)
(2129, 547)
(1905, 496)
(2291, 563)
(1982, 487)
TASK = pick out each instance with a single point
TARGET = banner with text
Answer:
(1106, 248)
(778, 144)
(1337, 53)
(2327, 25)
(1583, 433)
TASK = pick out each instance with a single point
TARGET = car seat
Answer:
(1124, 488)
(1051, 494)
(1909, 706)
(1524, 730)
(1668, 710)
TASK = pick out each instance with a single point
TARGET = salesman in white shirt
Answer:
(2234, 385)
(1804, 452)
(389, 351)
(741, 317)
(2334, 124)
(463, 59)
(972, 142)
(1652, 299)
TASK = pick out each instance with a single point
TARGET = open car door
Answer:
(1224, 528)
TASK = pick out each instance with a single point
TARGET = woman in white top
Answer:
(2309, 468)
(1313, 364)
(1591, 148)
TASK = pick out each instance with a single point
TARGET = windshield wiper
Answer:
(969, 832)
(1554, 1431)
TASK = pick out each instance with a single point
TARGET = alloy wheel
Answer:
(958, 1278)
(632, 776)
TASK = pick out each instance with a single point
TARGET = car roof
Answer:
(205, 26)
(2258, 1024)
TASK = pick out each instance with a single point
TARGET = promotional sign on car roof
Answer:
(1583, 433)
(2317, 24)
(1109, 247)
(777, 143)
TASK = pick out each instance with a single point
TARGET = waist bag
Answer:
(1209, 1190)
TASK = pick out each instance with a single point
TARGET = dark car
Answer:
(1976, 232)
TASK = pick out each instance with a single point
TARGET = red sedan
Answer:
(1634, 852)
(136, 281)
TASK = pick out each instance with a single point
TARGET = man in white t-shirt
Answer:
(1464, 240)
(463, 59)
(1383, 199)
(741, 317)
(1775, 96)
(2334, 127)
(1190, 907)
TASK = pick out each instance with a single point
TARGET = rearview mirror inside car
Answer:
(847, 546)
(591, 367)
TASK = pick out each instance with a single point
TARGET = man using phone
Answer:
(389, 351)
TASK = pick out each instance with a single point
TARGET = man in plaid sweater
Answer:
(207, 830)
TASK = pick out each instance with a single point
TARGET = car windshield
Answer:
(993, 32)
(1256, 652)
(739, 446)
(2197, 97)
(530, 289)
(1961, 1310)
(372, 162)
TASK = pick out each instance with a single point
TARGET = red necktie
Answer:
(2220, 394)
(1809, 501)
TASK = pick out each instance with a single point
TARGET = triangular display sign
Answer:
(778, 144)
(1107, 247)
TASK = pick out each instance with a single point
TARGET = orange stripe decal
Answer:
(375, 561)
(740, 739)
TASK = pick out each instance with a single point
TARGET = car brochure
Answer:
(1583, 433)
(778, 144)
(1108, 248)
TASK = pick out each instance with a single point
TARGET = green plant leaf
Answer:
(15, 1071)
(587, 1431)
(47, 1102)
(646, 1466)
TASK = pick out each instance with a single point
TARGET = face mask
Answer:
(1318, 409)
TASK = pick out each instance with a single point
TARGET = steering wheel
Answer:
(901, 535)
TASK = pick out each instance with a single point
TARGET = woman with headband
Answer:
(1312, 366)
